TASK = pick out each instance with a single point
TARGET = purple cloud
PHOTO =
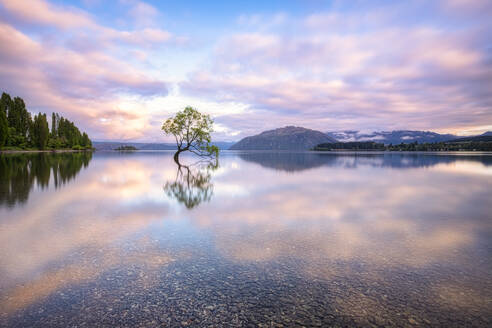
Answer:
(341, 72)
(82, 78)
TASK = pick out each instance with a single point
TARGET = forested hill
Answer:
(19, 130)
(287, 138)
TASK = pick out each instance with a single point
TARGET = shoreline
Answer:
(45, 151)
(251, 150)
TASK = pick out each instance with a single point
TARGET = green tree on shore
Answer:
(19, 130)
(86, 142)
(40, 131)
(19, 119)
(54, 123)
(4, 126)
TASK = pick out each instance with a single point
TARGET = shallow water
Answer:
(256, 239)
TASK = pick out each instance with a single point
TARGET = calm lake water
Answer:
(257, 239)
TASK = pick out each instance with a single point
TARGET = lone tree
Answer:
(191, 129)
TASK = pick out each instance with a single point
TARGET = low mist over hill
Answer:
(287, 138)
(298, 138)
(392, 137)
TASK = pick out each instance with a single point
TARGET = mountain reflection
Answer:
(292, 161)
(20, 172)
(192, 185)
(115, 239)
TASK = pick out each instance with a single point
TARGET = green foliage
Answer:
(5, 103)
(18, 117)
(19, 131)
(86, 142)
(444, 146)
(54, 123)
(68, 133)
(213, 149)
(191, 130)
(4, 127)
(18, 121)
(55, 143)
(40, 131)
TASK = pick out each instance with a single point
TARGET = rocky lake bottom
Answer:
(256, 239)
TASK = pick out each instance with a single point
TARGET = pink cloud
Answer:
(84, 87)
(142, 37)
(86, 71)
(468, 6)
(367, 69)
(143, 13)
(96, 73)
(332, 77)
(41, 12)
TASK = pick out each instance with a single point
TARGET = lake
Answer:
(254, 239)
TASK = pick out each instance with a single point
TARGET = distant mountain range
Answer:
(392, 137)
(486, 137)
(287, 138)
(298, 138)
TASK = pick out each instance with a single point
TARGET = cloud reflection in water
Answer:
(324, 216)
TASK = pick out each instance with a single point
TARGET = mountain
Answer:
(392, 137)
(288, 161)
(481, 138)
(287, 138)
(112, 145)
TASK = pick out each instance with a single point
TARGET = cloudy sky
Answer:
(119, 68)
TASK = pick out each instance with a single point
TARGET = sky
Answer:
(119, 68)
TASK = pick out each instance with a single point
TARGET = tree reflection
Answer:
(19, 173)
(192, 185)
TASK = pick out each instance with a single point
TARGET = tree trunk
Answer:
(176, 156)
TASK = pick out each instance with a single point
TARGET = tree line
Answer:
(353, 145)
(443, 146)
(19, 130)
(483, 144)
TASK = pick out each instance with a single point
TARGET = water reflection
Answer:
(20, 172)
(71, 236)
(291, 161)
(192, 184)
(355, 241)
